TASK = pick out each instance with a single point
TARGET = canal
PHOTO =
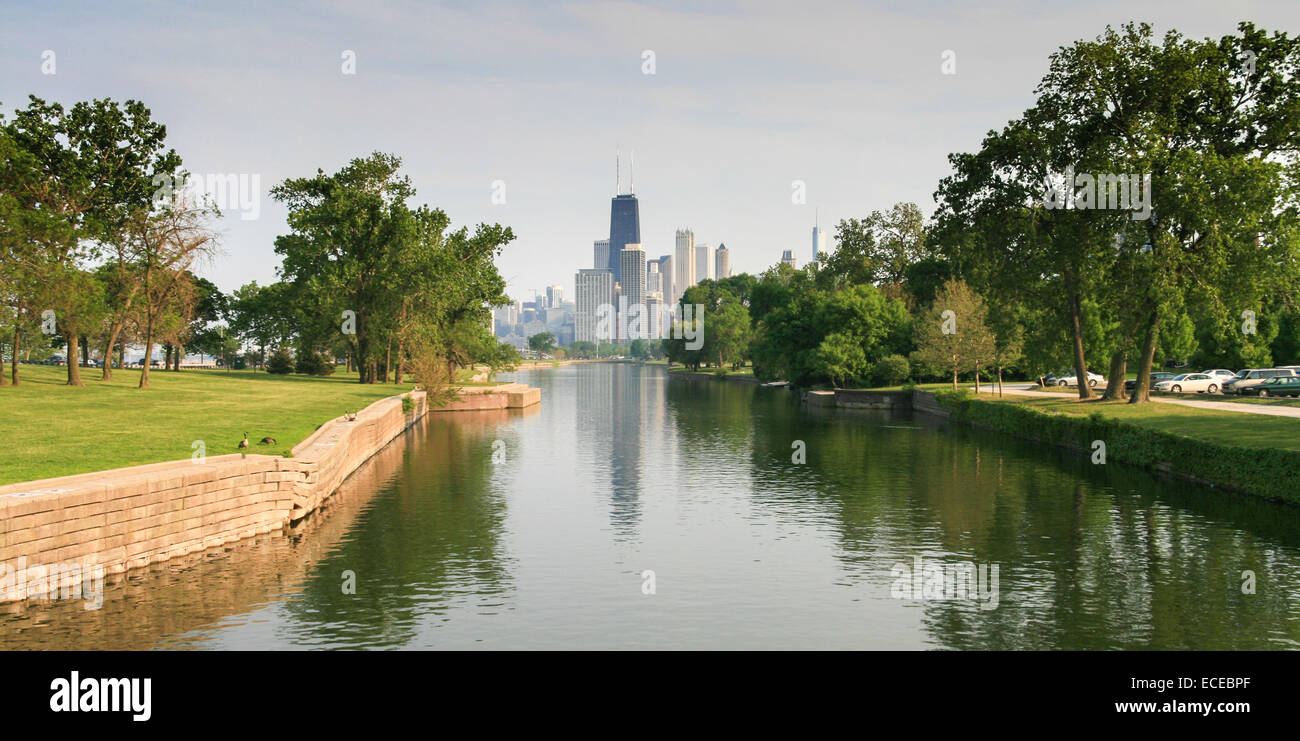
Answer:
(631, 511)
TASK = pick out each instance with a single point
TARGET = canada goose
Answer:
(350, 416)
(267, 441)
(244, 443)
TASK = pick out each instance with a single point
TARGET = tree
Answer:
(78, 176)
(280, 362)
(841, 358)
(165, 245)
(347, 235)
(953, 335)
(543, 342)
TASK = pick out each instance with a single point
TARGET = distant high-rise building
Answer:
(666, 270)
(722, 263)
(788, 258)
(594, 288)
(654, 301)
(684, 259)
(601, 261)
(703, 262)
(554, 296)
(818, 244)
(654, 280)
(632, 266)
(624, 225)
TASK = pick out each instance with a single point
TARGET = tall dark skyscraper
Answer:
(624, 229)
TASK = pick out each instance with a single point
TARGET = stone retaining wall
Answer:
(53, 531)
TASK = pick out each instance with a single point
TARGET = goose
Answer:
(244, 443)
(267, 441)
(350, 416)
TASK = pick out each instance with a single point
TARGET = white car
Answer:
(1198, 382)
(1220, 375)
(1070, 380)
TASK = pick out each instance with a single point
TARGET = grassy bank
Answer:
(1233, 429)
(1248, 453)
(56, 430)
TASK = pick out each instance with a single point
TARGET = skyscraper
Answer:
(632, 265)
(624, 225)
(703, 262)
(666, 270)
(818, 244)
(722, 263)
(654, 280)
(594, 288)
(788, 258)
(601, 261)
(554, 296)
(685, 261)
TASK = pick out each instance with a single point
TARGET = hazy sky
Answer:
(745, 98)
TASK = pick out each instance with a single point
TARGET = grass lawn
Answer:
(56, 430)
(1223, 427)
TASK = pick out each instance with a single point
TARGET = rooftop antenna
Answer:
(631, 168)
(617, 181)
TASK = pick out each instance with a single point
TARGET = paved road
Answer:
(1032, 389)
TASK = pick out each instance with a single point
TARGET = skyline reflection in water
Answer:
(621, 471)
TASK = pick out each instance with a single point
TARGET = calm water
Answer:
(621, 471)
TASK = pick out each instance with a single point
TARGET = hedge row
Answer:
(1266, 472)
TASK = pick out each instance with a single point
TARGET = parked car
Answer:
(1220, 374)
(1253, 377)
(1070, 380)
(57, 360)
(1276, 386)
(1198, 382)
(1156, 377)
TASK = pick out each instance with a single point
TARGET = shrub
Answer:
(314, 364)
(280, 362)
(1272, 472)
(891, 370)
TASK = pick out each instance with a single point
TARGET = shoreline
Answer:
(58, 533)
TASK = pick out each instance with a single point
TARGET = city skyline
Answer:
(721, 128)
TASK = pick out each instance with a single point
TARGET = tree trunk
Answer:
(148, 353)
(109, 344)
(977, 377)
(999, 381)
(1142, 388)
(401, 354)
(74, 370)
(18, 341)
(176, 364)
(1076, 334)
(1115, 381)
(121, 354)
(954, 380)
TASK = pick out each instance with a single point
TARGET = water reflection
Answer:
(623, 471)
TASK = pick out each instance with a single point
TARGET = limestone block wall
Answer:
(55, 530)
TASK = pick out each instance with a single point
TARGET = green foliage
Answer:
(1269, 472)
(280, 362)
(891, 370)
(543, 342)
(789, 341)
(953, 335)
(313, 364)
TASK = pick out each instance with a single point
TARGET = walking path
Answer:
(1032, 389)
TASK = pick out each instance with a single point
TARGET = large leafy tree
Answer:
(79, 176)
